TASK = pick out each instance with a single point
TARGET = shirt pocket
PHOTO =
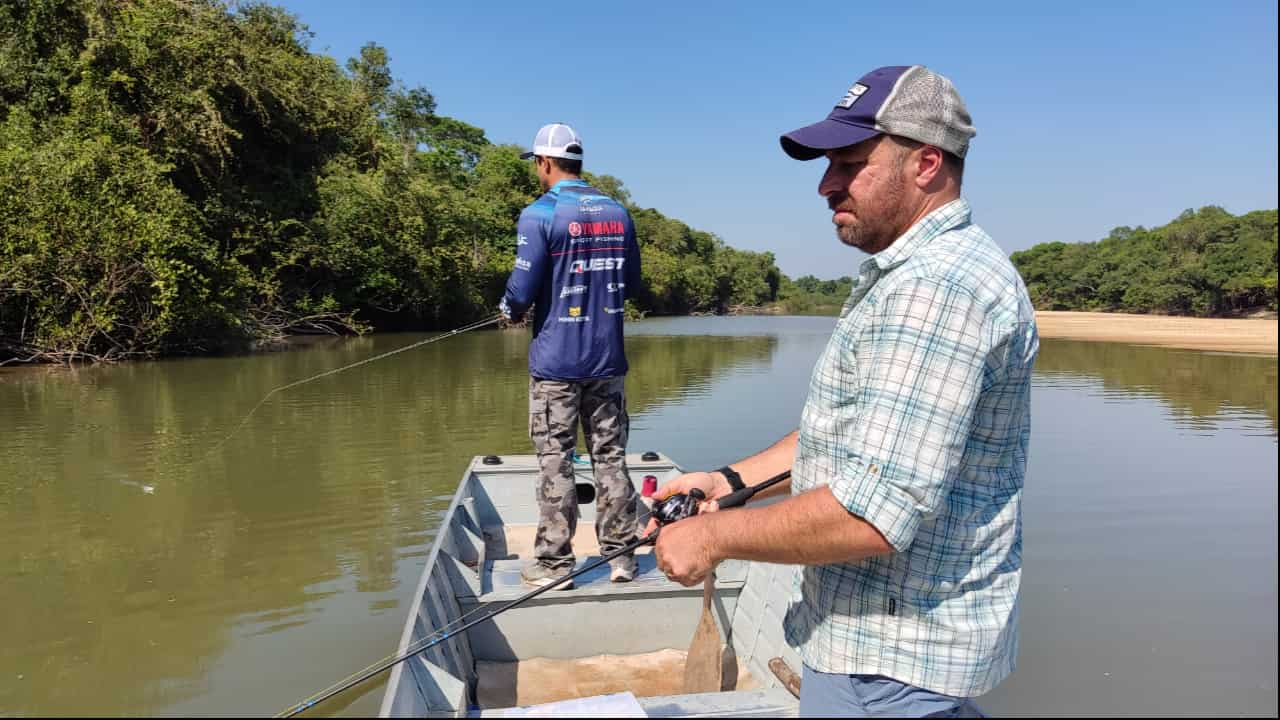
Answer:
(847, 350)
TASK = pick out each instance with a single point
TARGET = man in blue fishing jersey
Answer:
(577, 261)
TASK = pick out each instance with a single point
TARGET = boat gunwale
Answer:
(420, 591)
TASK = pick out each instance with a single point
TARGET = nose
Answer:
(829, 184)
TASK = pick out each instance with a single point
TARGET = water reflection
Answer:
(1201, 389)
(1149, 584)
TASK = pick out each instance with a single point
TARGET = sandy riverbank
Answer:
(1248, 336)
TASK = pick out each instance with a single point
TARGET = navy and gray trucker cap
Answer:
(909, 101)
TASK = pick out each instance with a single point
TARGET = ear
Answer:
(928, 165)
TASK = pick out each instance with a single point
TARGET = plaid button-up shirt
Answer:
(918, 418)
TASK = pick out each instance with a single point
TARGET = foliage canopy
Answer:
(184, 175)
(1206, 263)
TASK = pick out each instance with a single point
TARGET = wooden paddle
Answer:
(702, 667)
(785, 675)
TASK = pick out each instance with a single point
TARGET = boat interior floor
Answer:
(518, 542)
(543, 680)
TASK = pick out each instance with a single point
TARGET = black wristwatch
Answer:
(735, 480)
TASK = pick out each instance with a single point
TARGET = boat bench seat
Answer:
(766, 702)
(595, 617)
(501, 582)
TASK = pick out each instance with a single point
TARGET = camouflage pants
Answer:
(555, 408)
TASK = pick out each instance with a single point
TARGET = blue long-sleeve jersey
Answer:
(577, 259)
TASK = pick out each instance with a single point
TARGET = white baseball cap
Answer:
(556, 140)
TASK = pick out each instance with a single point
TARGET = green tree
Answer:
(1205, 262)
(186, 175)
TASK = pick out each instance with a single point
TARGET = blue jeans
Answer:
(832, 695)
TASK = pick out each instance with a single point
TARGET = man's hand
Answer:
(505, 310)
(713, 485)
(686, 550)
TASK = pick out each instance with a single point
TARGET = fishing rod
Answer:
(442, 636)
(420, 343)
(673, 509)
(740, 497)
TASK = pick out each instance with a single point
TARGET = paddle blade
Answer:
(702, 667)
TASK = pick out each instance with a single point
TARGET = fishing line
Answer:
(335, 371)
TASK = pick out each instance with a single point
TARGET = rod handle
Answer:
(736, 498)
(740, 497)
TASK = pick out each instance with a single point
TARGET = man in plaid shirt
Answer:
(907, 468)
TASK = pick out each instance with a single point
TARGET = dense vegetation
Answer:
(184, 175)
(807, 295)
(1206, 263)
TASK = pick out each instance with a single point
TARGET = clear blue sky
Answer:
(1089, 116)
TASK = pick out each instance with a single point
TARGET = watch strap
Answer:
(735, 480)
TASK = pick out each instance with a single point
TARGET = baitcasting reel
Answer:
(678, 507)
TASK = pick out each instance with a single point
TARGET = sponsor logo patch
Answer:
(601, 239)
(596, 264)
(594, 228)
(614, 287)
(568, 290)
(521, 240)
(614, 311)
(522, 264)
(575, 311)
(852, 96)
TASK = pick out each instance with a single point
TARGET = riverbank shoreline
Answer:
(1256, 336)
